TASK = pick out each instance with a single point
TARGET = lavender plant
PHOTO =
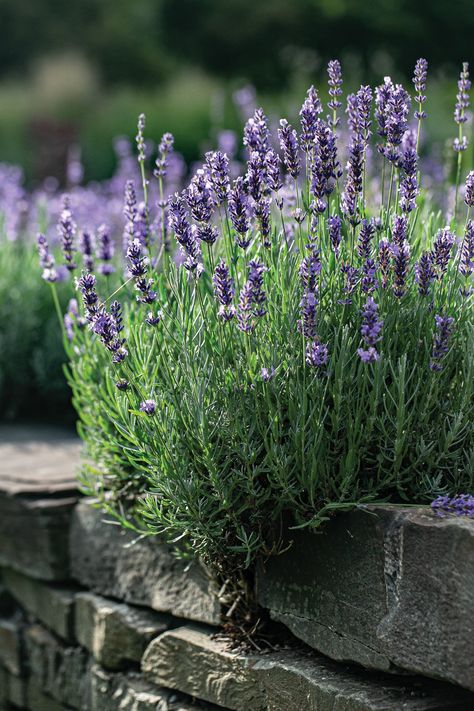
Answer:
(291, 343)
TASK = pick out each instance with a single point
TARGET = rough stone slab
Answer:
(37, 700)
(10, 644)
(115, 633)
(130, 692)
(51, 605)
(60, 671)
(38, 460)
(105, 559)
(16, 690)
(385, 587)
(190, 660)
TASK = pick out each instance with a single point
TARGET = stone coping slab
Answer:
(387, 587)
(191, 660)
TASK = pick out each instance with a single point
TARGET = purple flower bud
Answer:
(424, 273)
(262, 215)
(130, 212)
(351, 279)
(369, 283)
(238, 210)
(419, 82)
(252, 298)
(186, 236)
(335, 90)
(139, 138)
(289, 146)
(154, 319)
(165, 148)
(148, 407)
(224, 291)
(444, 329)
(359, 108)
(46, 260)
(461, 505)
(370, 331)
(317, 354)
(307, 322)
(199, 197)
(87, 285)
(218, 170)
(334, 228)
(385, 255)
(366, 235)
(309, 271)
(442, 250)
(105, 250)
(409, 183)
(353, 186)
(401, 264)
(462, 97)
(67, 231)
(86, 248)
(469, 195)
(122, 384)
(399, 229)
(72, 319)
(467, 250)
(267, 374)
(308, 117)
(256, 133)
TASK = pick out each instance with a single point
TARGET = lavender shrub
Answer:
(293, 342)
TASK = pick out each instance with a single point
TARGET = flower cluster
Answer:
(461, 505)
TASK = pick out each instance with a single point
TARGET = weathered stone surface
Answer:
(37, 700)
(190, 660)
(16, 690)
(385, 587)
(51, 605)
(130, 692)
(10, 644)
(105, 559)
(60, 671)
(115, 633)
(37, 493)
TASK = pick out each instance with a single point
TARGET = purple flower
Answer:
(122, 384)
(353, 186)
(267, 374)
(67, 231)
(334, 228)
(308, 117)
(419, 82)
(370, 331)
(138, 267)
(86, 248)
(351, 279)
(335, 90)
(105, 250)
(425, 273)
(256, 133)
(469, 195)
(398, 109)
(366, 235)
(307, 322)
(359, 108)
(272, 171)
(165, 147)
(46, 260)
(139, 138)
(309, 270)
(141, 227)
(289, 146)
(444, 329)
(409, 183)
(199, 197)
(72, 318)
(154, 319)
(369, 283)
(87, 285)
(317, 354)
(130, 212)
(148, 407)
(184, 234)
(401, 263)
(224, 291)
(252, 298)
(238, 210)
(462, 97)
(255, 177)
(467, 250)
(382, 96)
(107, 328)
(385, 255)
(399, 229)
(262, 215)
(442, 249)
(217, 164)
(460, 505)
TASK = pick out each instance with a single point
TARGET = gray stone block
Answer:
(115, 633)
(386, 587)
(10, 644)
(51, 605)
(190, 660)
(37, 700)
(60, 671)
(106, 559)
(130, 692)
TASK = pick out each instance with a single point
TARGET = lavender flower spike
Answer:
(130, 213)
(217, 164)
(164, 149)
(139, 138)
(462, 104)
(401, 263)
(419, 82)
(87, 285)
(46, 260)
(86, 248)
(105, 251)
(308, 116)
(335, 91)
(467, 251)
(67, 231)
(224, 291)
(317, 354)
(444, 328)
(461, 505)
(252, 298)
(148, 407)
(238, 210)
(370, 332)
(469, 195)
(425, 273)
(334, 228)
(289, 146)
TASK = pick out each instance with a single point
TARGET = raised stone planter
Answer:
(371, 589)
(385, 587)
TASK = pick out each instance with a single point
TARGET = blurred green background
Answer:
(80, 71)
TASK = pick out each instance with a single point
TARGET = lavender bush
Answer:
(285, 343)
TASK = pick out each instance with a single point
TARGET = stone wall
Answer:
(94, 620)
